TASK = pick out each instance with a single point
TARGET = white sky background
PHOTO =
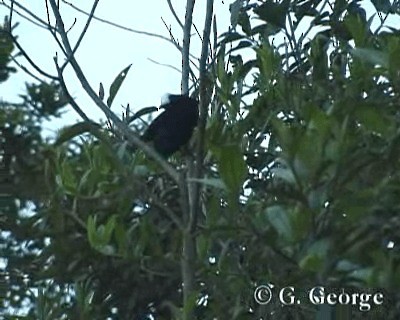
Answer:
(106, 50)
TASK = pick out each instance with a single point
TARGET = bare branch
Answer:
(197, 31)
(191, 193)
(171, 35)
(186, 46)
(215, 32)
(48, 13)
(73, 24)
(76, 218)
(39, 22)
(145, 33)
(169, 213)
(176, 42)
(11, 15)
(96, 2)
(204, 101)
(165, 65)
(25, 69)
(82, 33)
(33, 64)
(171, 7)
(71, 100)
(194, 79)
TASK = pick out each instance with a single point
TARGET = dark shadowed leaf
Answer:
(75, 130)
(116, 85)
(232, 166)
(142, 112)
(372, 56)
(274, 12)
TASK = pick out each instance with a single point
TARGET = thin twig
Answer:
(193, 76)
(186, 46)
(33, 64)
(165, 65)
(73, 24)
(173, 39)
(197, 31)
(24, 16)
(169, 213)
(25, 69)
(96, 2)
(76, 218)
(48, 13)
(40, 22)
(170, 33)
(294, 45)
(132, 138)
(171, 7)
(71, 100)
(11, 15)
(145, 33)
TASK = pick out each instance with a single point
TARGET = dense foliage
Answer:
(301, 182)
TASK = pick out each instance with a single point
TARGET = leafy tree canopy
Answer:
(299, 187)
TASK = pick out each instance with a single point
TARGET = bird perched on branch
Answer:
(173, 128)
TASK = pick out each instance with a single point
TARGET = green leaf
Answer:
(384, 6)
(274, 13)
(319, 57)
(268, 62)
(241, 45)
(280, 220)
(91, 230)
(372, 56)
(393, 49)
(316, 256)
(244, 22)
(235, 9)
(357, 28)
(101, 91)
(285, 174)
(116, 85)
(100, 236)
(373, 119)
(75, 130)
(142, 112)
(229, 37)
(211, 182)
(232, 166)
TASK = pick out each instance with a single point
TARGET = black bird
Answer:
(173, 128)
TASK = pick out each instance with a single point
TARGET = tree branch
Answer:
(164, 65)
(39, 22)
(204, 101)
(171, 7)
(96, 2)
(71, 100)
(145, 33)
(192, 188)
(186, 46)
(26, 56)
